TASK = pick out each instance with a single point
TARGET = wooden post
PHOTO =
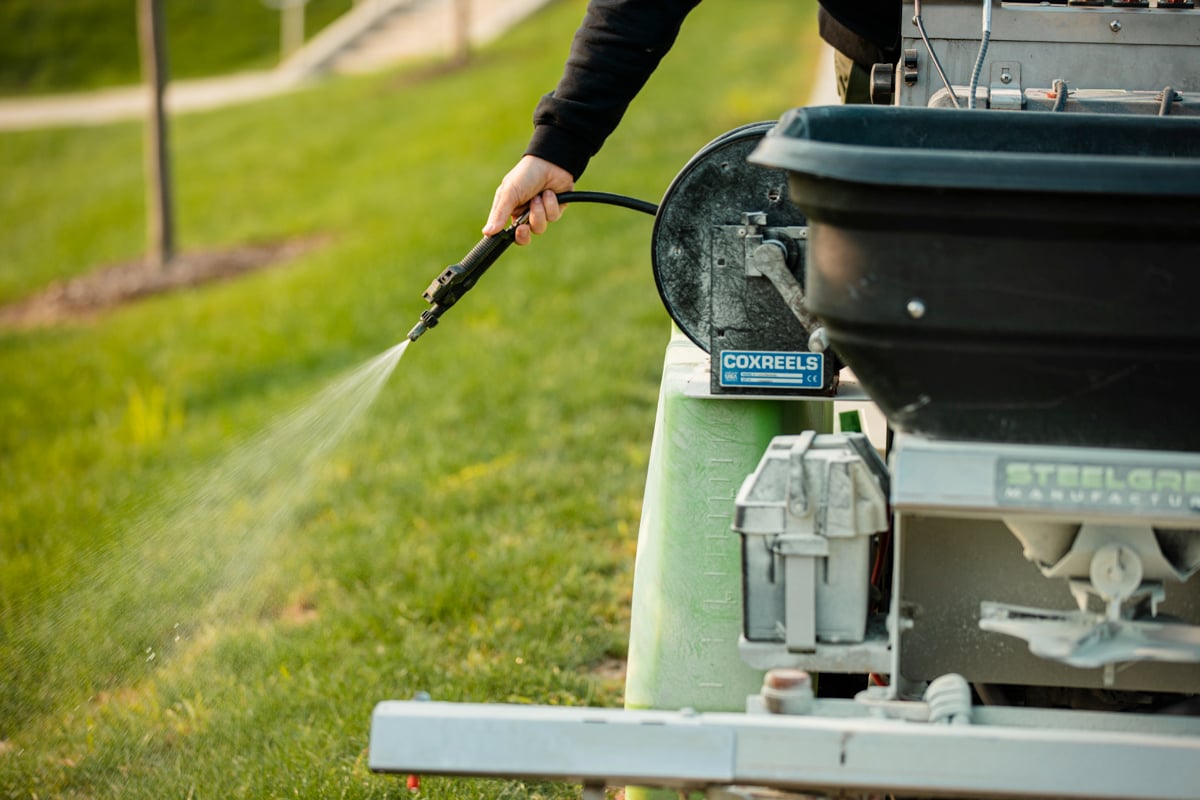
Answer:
(160, 229)
(462, 32)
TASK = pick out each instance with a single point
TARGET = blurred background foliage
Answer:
(69, 45)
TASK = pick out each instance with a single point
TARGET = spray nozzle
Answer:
(428, 320)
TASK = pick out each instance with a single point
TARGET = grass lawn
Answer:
(66, 45)
(189, 611)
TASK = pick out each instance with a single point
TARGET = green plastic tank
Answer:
(687, 595)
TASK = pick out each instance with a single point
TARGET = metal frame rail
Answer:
(841, 748)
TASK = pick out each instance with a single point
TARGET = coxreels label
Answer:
(767, 369)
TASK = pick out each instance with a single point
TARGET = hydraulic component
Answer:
(806, 518)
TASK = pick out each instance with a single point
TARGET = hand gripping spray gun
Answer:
(457, 279)
(728, 252)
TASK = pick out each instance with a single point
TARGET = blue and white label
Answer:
(772, 370)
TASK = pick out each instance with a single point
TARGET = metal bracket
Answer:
(1086, 640)
(1005, 92)
(770, 260)
(909, 67)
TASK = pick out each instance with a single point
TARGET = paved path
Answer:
(422, 32)
(425, 26)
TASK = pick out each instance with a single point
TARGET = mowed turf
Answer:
(189, 611)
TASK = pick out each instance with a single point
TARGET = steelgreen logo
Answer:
(1055, 484)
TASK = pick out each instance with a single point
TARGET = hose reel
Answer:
(728, 255)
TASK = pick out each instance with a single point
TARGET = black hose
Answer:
(609, 199)
(1060, 95)
(1168, 97)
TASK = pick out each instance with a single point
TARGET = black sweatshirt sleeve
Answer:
(616, 49)
(620, 43)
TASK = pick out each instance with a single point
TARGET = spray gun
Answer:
(457, 279)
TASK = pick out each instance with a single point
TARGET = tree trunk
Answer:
(462, 32)
(291, 27)
(160, 231)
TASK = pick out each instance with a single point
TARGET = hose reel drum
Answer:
(728, 253)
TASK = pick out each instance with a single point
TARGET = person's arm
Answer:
(616, 49)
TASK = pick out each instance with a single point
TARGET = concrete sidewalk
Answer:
(129, 102)
(422, 31)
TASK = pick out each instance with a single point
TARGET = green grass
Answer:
(65, 45)
(473, 538)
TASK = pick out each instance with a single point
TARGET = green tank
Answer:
(687, 596)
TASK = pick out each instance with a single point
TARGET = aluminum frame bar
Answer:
(839, 749)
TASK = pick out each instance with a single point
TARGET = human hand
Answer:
(533, 182)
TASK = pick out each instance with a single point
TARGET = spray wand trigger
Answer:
(457, 279)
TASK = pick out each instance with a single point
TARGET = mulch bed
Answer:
(110, 287)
